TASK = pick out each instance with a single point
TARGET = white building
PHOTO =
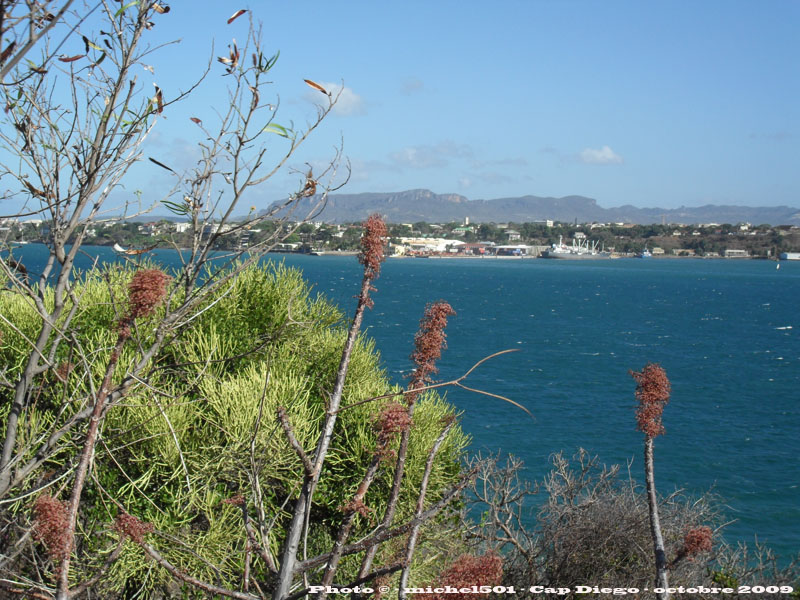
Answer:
(429, 244)
(736, 253)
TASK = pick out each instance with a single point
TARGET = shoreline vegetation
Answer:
(450, 240)
(457, 256)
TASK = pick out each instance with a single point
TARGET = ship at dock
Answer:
(579, 250)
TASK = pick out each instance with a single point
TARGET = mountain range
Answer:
(412, 206)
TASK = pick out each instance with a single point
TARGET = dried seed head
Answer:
(382, 583)
(372, 242)
(468, 571)
(356, 506)
(51, 526)
(237, 500)
(697, 540)
(652, 392)
(146, 291)
(429, 342)
(64, 369)
(129, 526)
(124, 328)
(392, 419)
(446, 420)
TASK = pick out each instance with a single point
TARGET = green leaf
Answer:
(126, 7)
(277, 129)
(271, 62)
(175, 207)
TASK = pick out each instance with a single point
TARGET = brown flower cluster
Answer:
(429, 342)
(382, 583)
(392, 419)
(697, 540)
(64, 369)
(51, 526)
(356, 506)
(652, 392)
(146, 291)
(467, 571)
(237, 500)
(372, 242)
(129, 526)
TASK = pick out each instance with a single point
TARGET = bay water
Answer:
(725, 331)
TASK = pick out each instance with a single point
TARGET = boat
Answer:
(580, 250)
(645, 253)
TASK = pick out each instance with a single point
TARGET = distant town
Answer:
(709, 240)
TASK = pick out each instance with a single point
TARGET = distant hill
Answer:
(423, 205)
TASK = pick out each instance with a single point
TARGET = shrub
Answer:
(179, 453)
(592, 528)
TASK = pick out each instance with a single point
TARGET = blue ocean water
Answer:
(726, 332)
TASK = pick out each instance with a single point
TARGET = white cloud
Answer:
(603, 156)
(496, 178)
(418, 157)
(349, 103)
(450, 148)
(501, 162)
(426, 156)
(363, 170)
(412, 85)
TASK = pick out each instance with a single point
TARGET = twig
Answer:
(382, 534)
(287, 428)
(193, 581)
(450, 383)
(423, 488)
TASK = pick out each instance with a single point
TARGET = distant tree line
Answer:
(761, 240)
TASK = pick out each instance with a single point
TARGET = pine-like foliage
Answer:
(179, 453)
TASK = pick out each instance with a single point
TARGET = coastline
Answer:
(442, 255)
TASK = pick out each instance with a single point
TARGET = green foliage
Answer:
(724, 579)
(200, 425)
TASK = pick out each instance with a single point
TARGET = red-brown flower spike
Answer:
(146, 291)
(51, 526)
(64, 369)
(129, 526)
(652, 392)
(697, 540)
(237, 500)
(429, 342)
(356, 506)
(392, 419)
(372, 242)
(465, 572)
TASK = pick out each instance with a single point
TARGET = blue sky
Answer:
(651, 104)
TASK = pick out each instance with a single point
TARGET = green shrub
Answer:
(201, 424)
